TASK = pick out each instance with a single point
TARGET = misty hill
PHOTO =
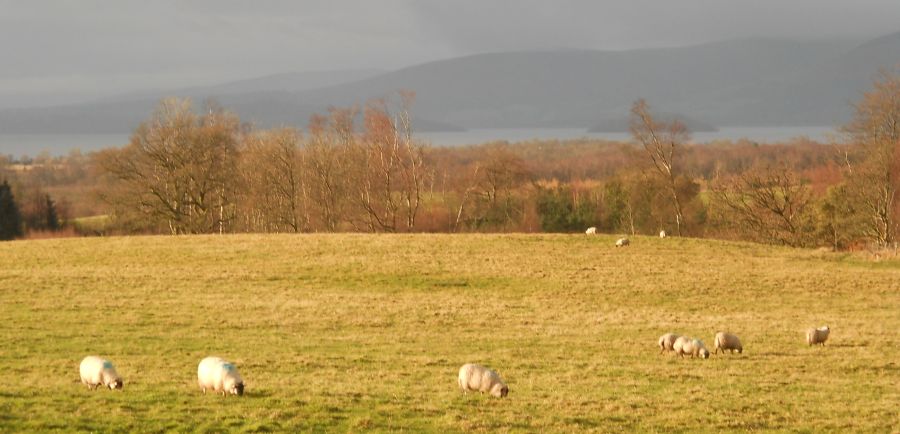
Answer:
(286, 82)
(732, 83)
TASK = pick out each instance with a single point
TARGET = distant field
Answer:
(366, 332)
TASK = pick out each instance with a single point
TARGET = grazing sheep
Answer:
(96, 371)
(478, 378)
(817, 336)
(622, 242)
(662, 234)
(667, 342)
(728, 341)
(591, 230)
(220, 376)
(686, 345)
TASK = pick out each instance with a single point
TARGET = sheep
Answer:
(220, 376)
(667, 342)
(622, 242)
(591, 231)
(662, 234)
(729, 342)
(479, 378)
(817, 336)
(97, 370)
(686, 345)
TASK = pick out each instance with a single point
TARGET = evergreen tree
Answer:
(51, 217)
(10, 219)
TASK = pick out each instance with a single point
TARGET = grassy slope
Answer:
(360, 332)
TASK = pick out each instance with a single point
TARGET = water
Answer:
(19, 145)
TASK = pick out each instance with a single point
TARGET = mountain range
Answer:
(760, 82)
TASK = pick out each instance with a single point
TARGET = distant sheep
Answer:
(686, 345)
(96, 371)
(662, 234)
(817, 336)
(220, 376)
(591, 230)
(622, 242)
(729, 342)
(667, 342)
(478, 378)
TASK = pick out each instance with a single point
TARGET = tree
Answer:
(661, 141)
(178, 170)
(769, 205)
(875, 178)
(561, 210)
(10, 219)
(274, 196)
(40, 212)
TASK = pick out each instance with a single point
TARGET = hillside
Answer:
(367, 332)
(761, 82)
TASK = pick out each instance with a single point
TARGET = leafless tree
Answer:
(178, 169)
(767, 204)
(661, 141)
(875, 178)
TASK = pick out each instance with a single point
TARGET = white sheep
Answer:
(96, 371)
(662, 234)
(591, 230)
(817, 336)
(729, 342)
(622, 242)
(686, 345)
(667, 342)
(479, 378)
(220, 376)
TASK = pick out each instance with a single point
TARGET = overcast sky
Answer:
(92, 47)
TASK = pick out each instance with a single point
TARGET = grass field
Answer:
(366, 332)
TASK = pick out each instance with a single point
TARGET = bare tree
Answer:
(275, 197)
(326, 166)
(661, 141)
(768, 205)
(178, 169)
(875, 178)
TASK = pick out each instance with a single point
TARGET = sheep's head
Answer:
(740, 350)
(499, 390)
(117, 384)
(238, 389)
(704, 353)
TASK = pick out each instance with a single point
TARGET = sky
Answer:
(62, 50)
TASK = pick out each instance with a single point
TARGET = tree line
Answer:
(363, 169)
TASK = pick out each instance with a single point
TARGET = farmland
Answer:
(366, 332)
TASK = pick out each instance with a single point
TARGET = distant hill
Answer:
(286, 82)
(765, 82)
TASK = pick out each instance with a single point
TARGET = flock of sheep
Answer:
(221, 376)
(213, 373)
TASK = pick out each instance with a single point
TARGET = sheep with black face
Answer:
(219, 375)
(479, 378)
(96, 371)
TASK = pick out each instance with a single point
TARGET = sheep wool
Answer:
(729, 342)
(479, 378)
(685, 345)
(591, 230)
(96, 371)
(622, 242)
(667, 342)
(817, 336)
(220, 376)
